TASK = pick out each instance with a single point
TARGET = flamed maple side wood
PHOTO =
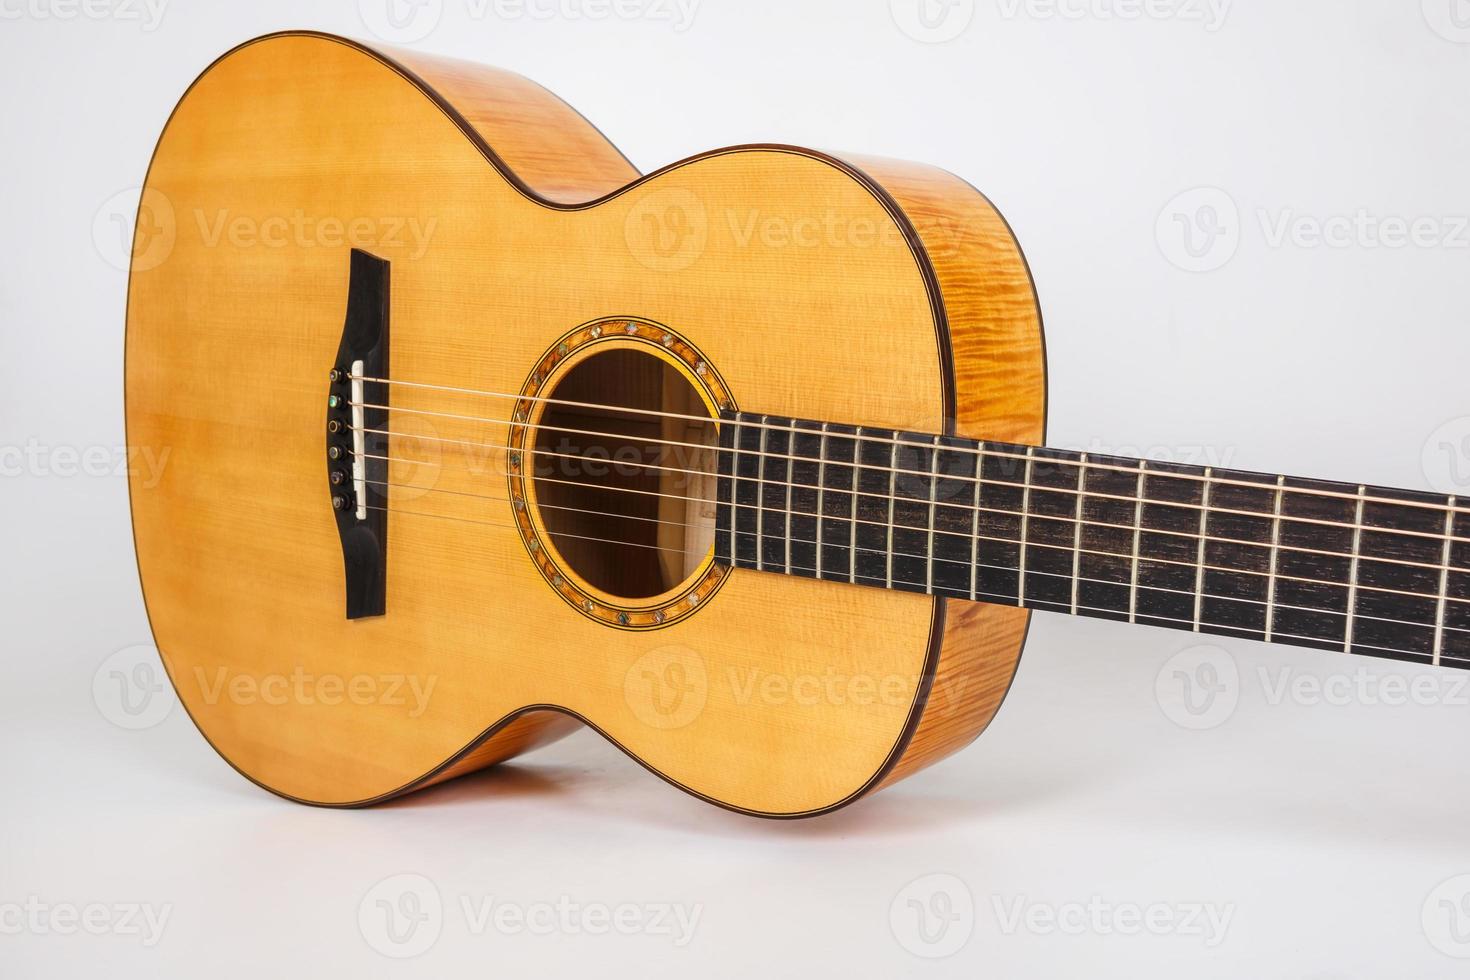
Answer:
(869, 291)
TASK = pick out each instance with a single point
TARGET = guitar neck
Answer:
(1335, 566)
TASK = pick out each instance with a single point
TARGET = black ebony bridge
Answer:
(1336, 566)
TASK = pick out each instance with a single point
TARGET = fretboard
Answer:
(1336, 566)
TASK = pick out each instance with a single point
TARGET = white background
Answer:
(1129, 770)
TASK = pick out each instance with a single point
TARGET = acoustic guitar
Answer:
(475, 435)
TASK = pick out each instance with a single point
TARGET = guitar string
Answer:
(966, 535)
(981, 451)
(970, 508)
(902, 554)
(1082, 468)
(1445, 659)
(1208, 538)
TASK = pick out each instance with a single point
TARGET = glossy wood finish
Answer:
(802, 278)
(548, 147)
(997, 347)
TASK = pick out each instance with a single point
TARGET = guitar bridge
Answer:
(357, 437)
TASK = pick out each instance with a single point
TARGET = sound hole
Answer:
(629, 506)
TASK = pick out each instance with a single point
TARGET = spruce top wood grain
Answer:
(475, 435)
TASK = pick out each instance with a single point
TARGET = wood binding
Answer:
(998, 351)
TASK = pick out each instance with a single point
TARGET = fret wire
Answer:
(760, 499)
(979, 449)
(998, 540)
(892, 501)
(852, 530)
(790, 484)
(1199, 576)
(1352, 595)
(1077, 533)
(933, 500)
(1099, 496)
(821, 493)
(1444, 581)
(1275, 554)
(975, 531)
(1137, 540)
(1025, 523)
(737, 431)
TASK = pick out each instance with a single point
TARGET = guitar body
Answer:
(519, 243)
